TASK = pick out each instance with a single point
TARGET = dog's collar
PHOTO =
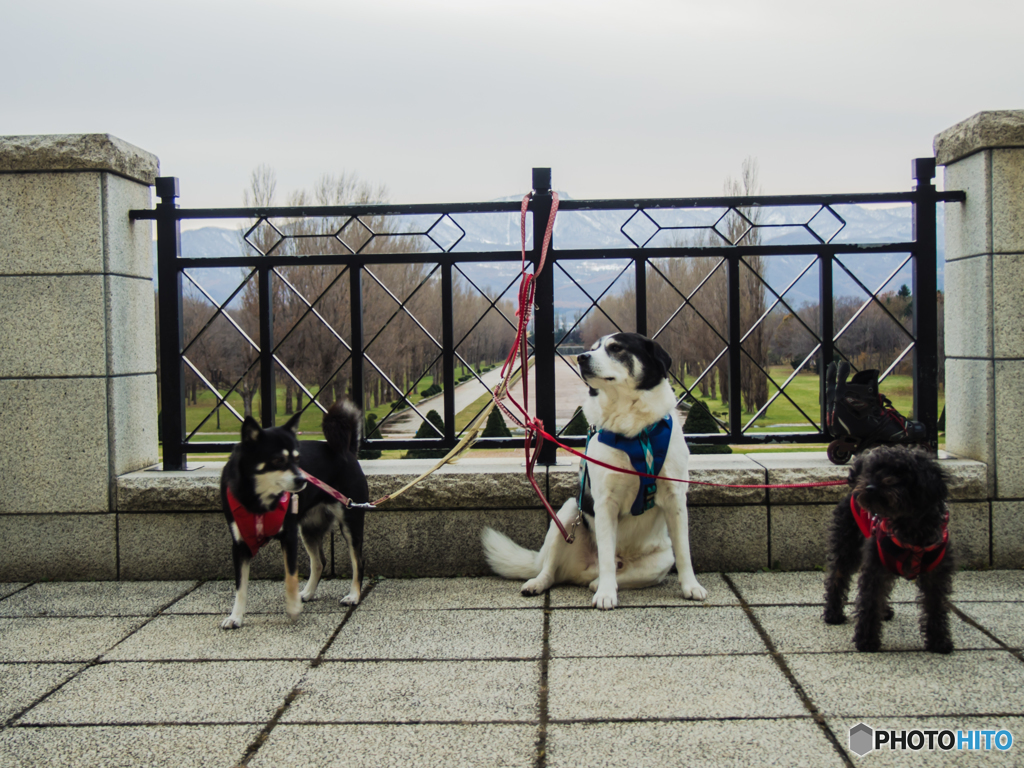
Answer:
(906, 560)
(646, 452)
(257, 529)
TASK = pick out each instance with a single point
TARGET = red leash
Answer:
(532, 426)
(557, 442)
(335, 494)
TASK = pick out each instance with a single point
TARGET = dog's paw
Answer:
(231, 623)
(939, 645)
(694, 591)
(605, 600)
(307, 594)
(535, 587)
(834, 617)
(293, 610)
(352, 598)
(868, 644)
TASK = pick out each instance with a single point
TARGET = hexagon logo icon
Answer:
(862, 739)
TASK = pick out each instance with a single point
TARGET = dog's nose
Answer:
(870, 488)
(583, 358)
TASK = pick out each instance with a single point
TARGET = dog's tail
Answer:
(343, 426)
(507, 558)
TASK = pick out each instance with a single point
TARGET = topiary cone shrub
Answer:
(496, 426)
(700, 421)
(578, 424)
(426, 432)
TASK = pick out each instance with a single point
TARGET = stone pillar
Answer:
(984, 278)
(77, 361)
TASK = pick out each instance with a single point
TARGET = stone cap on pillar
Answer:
(997, 129)
(77, 152)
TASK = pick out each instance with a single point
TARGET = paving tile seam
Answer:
(467, 660)
(102, 662)
(213, 660)
(323, 723)
(96, 661)
(180, 597)
(264, 735)
(431, 659)
(960, 714)
(135, 724)
(18, 591)
(541, 745)
(455, 609)
(652, 607)
(681, 719)
(798, 689)
(725, 655)
(1013, 651)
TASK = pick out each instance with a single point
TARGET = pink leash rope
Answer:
(532, 425)
(335, 494)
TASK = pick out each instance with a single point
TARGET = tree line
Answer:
(687, 305)
(311, 307)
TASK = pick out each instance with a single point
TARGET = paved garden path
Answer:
(569, 393)
(467, 672)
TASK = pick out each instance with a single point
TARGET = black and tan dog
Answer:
(893, 523)
(256, 488)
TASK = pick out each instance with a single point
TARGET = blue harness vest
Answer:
(646, 454)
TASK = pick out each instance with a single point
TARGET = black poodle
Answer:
(893, 523)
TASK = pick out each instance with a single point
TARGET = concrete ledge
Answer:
(168, 525)
(985, 130)
(58, 547)
(77, 152)
(434, 530)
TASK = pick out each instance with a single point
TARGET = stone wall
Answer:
(170, 527)
(984, 156)
(77, 363)
(78, 399)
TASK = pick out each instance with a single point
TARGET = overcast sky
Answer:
(456, 100)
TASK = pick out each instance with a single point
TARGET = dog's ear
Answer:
(250, 430)
(855, 469)
(933, 479)
(660, 356)
(293, 423)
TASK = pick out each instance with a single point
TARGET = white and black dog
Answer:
(264, 470)
(630, 528)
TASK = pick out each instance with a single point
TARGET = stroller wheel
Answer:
(839, 452)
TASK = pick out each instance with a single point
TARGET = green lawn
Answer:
(803, 390)
(781, 416)
(309, 423)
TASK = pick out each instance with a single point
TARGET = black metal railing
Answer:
(652, 231)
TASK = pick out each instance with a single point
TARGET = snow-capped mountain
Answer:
(613, 231)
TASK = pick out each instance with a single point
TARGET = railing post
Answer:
(172, 372)
(926, 358)
(826, 325)
(735, 351)
(544, 317)
(268, 399)
(640, 284)
(355, 295)
(448, 351)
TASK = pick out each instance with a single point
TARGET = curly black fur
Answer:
(908, 488)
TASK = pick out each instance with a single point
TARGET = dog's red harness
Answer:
(906, 560)
(257, 530)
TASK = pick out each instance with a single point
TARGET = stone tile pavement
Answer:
(466, 672)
